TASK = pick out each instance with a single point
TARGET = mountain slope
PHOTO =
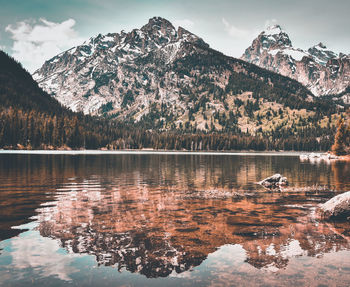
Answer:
(322, 71)
(30, 118)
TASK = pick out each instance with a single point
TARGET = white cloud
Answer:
(234, 31)
(185, 23)
(37, 41)
(42, 255)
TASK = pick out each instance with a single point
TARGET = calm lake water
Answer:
(169, 220)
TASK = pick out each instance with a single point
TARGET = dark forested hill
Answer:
(30, 118)
(18, 90)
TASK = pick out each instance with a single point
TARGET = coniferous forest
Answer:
(31, 119)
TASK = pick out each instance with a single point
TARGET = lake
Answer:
(169, 219)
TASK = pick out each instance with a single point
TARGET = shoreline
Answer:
(151, 151)
(166, 152)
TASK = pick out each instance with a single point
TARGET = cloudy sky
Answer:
(35, 30)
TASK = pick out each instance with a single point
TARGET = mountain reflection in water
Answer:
(155, 232)
(161, 215)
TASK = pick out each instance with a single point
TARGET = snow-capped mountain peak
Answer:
(273, 30)
(274, 36)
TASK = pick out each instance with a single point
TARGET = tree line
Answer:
(36, 130)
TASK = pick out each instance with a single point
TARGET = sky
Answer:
(33, 31)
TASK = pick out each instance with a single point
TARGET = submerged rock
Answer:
(274, 181)
(337, 208)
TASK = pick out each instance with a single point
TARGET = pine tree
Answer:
(340, 139)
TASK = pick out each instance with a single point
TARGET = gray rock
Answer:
(274, 181)
(337, 208)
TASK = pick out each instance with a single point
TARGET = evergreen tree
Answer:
(339, 145)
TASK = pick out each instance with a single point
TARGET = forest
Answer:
(37, 130)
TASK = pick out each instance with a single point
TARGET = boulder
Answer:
(316, 157)
(274, 181)
(337, 208)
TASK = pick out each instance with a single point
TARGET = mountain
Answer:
(322, 71)
(170, 79)
(104, 68)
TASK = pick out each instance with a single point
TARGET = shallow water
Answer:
(151, 219)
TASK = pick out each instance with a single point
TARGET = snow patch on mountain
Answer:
(295, 54)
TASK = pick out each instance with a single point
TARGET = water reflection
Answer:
(341, 172)
(157, 231)
(162, 215)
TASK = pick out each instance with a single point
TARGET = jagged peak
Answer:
(273, 30)
(157, 23)
(319, 46)
(274, 36)
(321, 54)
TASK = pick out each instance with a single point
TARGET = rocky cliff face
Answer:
(322, 71)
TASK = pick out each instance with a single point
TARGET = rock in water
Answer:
(274, 181)
(337, 208)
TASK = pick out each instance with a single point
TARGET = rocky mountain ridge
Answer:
(322, 71)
